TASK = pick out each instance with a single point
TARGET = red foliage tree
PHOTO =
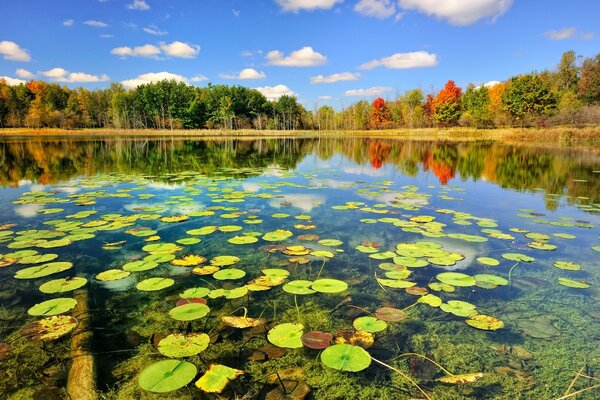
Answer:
(429, 106)
(380, 114)
(449, 94)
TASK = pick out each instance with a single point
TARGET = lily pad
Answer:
(216, 378)
(490, 279)
(43, 270)
(229, 274)
(242, 240)
(567, 265)
(154, 284)
(459, 308)
(299, 287)
(167, 375)
(158, 248)
(346, 357)
(390, 314)
(224, 261)
(194, 293)
(189, 312)
(51, 328)
(139, 266)
(488, 261)
(287, 335)
(277, 236)
(178, 345)
(517, 257)
(329, 286)
(462, 378)
(484, 322)
(456, 279)
(63, 285)
(369, 324)
(52, 307)
(230, 294)
(112, 275)
(431, 300)
(574, 284)
(317, 340)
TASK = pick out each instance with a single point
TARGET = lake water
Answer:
(480, 256)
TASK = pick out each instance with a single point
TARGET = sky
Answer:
(322, 51)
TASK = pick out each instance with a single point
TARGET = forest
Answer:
(568, 94)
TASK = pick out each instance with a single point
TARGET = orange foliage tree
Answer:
(381, 116)
(447, 104)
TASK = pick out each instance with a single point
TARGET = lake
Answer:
(322, 268)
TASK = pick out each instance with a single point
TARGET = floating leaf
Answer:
(196, 292)
(542, 246)
(490, 279)
(178, 345)
(277, 236)
(484, 322)
(205, 230)
(329, 286)
(43, 270)
(322, 253)
(456, 279)
(488, 261)
(50, 328)
(517, 257)
(395, 283)
(229, 293)
(345, 357)
(459, 308)
(317, 340)
(431, 300)
(188, 241)
(286, 335)
(191, 260)
(298, 287)
(243, 322)
(189, 312)
(52, 307)
(154, 284)
(243, 240)
(229, 274)
(224, 261)
(390, 314)
(330, 242)
(574, 284)
(112, 275)
(216, 378)
(139, 266)
(369, 324)
(37, 259)
(567, 265)
(167, 375)
(461, 379)
(63, 285)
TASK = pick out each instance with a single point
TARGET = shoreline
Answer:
(567, 135)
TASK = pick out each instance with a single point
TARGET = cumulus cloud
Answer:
(12, 81)
(491, 83)
(343, 76)
(297, 5)
(13, 52)
(152, 77)
(174, 49)
(376, 8)
(147, 50)
(414, 59)
(68, 22)
(305, 57)
(568, 33)
(138, 5)
(62, 75)
(95, 23)
(459, 12)
(199, 78)
(373, 91)
(325, 98)
(275, 92)
(245, 74)
(153, 30)
(251, 53)
(180, 49)
(23, 73)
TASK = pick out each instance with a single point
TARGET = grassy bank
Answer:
(589, 135)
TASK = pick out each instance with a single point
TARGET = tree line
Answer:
(568, 94)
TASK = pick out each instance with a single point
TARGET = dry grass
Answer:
(589, 135)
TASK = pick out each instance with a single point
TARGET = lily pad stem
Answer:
(321, 270)
(404, 375)
(428, 359)
(511, 270)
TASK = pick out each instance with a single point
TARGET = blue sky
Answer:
(325, 51)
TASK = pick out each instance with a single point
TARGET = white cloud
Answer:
(459, 12)
(23, 73)
(153, 30)
(251, 53)
(95, 23)
(13, 52)
(376, 8)
(305, 57)
(152, 77)
(374, 91)
(297, 5)
(147, 50)
(569, 33)
(199, 78)
(245, 74)
(180, 49)
(414, 59)
(62, 75)
(68, 22)
(107, 36)
(138, 5)
(275, 92)
(343, 76)
(491, 83)
(12, 81)
(325, 98)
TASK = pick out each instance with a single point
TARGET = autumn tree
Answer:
(588, 87)
(447, 104)
(475, 104)
(380, 114)
(528, 95)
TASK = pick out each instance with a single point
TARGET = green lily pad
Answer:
(345, 357)
(459, 308)
(276, 272)
(50, 328)
(441, 287)
(159, 257)
(43, 270)
(541, 246)
(112, 275)
(52, 307)
(243, 240)
(410, 262)
(573, 284)
(178, 345)
(38, 259)
(330, 242)
(456, 279)
(488, 261)
(322, 253)
(395, 283)
(189, 312)
(402, 274)
(230, 294)
(517, 257)
(157, 248)
(468, 238)
(491, 279)
(567, 265)
(224, 261)
(329, 286)
(154, 284)
(139, 266)
(286, 335)
(205, 230)
(431, 300)
(369, 324)
(298, 287)
(194, 293)
(167, 375)
(63, 285)
(216, 378)
(484, 322)
(277, 236)
(366, 249)
(229, 274)
(188, 241)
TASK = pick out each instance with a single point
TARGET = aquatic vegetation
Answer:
(167, 375)
(216, 378)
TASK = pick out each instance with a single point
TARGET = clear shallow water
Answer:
(98, 203)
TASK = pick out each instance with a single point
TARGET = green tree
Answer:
(528, 95)
(476, 106)
(588, 88)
